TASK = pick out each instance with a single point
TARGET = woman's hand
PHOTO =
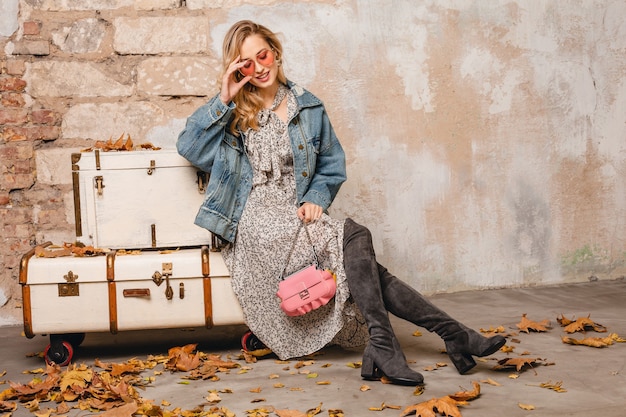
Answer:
(309, 212)
(230, 86)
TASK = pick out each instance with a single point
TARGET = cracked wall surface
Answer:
(486, 141)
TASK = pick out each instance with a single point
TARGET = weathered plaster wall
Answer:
(485, 140)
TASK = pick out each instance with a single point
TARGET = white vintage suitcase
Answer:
(137, 199)
(69, 296)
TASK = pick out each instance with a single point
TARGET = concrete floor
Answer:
(595, 379)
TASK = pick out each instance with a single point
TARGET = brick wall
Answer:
(26, 124)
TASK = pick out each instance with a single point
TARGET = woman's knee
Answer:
(353, 231)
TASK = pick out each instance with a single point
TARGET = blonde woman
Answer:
(275, 163)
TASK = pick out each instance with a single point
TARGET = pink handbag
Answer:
(307, 289)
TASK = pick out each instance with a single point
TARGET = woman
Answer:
(276, 163)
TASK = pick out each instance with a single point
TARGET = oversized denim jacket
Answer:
(206, 142)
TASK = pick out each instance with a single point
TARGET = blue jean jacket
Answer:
(206, 142)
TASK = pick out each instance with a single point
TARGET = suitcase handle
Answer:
(136, 292)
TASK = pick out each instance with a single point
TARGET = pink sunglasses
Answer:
(264, 58)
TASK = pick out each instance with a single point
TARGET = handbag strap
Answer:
(293, 245)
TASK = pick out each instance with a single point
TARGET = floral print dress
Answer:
(265, 235)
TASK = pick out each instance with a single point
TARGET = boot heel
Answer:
(463, 363)
(369, 370)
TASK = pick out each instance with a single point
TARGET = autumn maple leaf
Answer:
(517, 363)
(126, 410)
(597, 342)
(467, 395)
(445, 406)
(79, 376)
(182, 358)
(527, 325)
(7, 406)
(580, 325)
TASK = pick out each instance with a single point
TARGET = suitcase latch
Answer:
(99, 184)
(166, 272)
(70, 288)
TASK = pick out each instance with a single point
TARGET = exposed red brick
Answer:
(21, 167)
(16, 152)
(10, 134)
(12, 100)
(16, 133)
(12, 84)
(15, 67)
(4, 198)
(43, 117)
(13, 116)
(32, 28)
(10, 181)
(7, 153)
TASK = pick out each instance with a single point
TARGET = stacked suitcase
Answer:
(157, 269)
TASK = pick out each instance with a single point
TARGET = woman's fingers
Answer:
(309, 212)
(230, 85)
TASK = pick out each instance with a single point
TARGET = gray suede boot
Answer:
(383, 354)
(462, 343)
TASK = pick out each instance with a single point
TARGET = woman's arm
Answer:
(330, 168)
(206, 127)
(204, 131)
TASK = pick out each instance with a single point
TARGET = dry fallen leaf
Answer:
(581, 324)
(491, 382)
(384, 406)
(597, 342)
(314, 411)
(526, 325)
(507, 349)
(492, 330)
(526, 406)
(467, 395)
(445, 406)
(517, 363)
(557, 386)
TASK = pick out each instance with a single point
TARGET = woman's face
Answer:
(260, 61)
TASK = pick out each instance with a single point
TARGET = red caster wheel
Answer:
(59, 352)
(250, 343)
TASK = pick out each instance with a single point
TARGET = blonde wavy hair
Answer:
(248, 100)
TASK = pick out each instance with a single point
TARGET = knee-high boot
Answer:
(462, 343)
(383, 354)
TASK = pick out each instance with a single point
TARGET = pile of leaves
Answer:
(121, 144)
(585, 324)
(112, 387)
(68, 249)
